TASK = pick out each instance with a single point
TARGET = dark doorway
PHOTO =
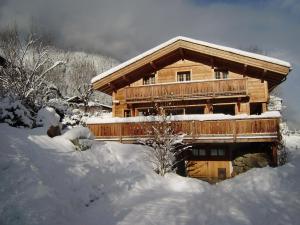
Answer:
(255, 108)
(222, 173)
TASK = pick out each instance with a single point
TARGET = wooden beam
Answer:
(113, 87)
(181, 53)
(245, 70)
(212, 62)
(125, 79)
(152, 64)
(263, 75)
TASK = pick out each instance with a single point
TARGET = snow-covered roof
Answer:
(197, 117)
(99, 104)
(173, 40)
(72, 98)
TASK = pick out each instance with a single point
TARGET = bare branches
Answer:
(28, 63)
(166, 145)
(85, 92)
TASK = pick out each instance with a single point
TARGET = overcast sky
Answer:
(125, 28)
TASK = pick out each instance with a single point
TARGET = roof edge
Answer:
(178, 38)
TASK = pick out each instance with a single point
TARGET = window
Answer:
(194, 110)
(217, 152)
(146, 112)
(224, 109)
(199, 152)
(176, 111)
(183, 76)
(221, 74)
(255, 108)
(127, 113)
(149, 80)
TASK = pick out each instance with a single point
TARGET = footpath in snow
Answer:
(45, 181)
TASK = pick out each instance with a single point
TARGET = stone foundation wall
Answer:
(248, 161)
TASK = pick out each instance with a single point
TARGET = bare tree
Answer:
(28, 62)
(85, 93)
(166, 145)
(83, 72)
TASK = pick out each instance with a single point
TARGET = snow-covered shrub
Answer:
(47, 117)
(275, 103)
(70, 113)
(166, 146)
(13, 112)
(60, 105)
(81, 137)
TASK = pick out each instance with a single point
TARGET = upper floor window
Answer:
(149, 80)
(183, 76)
(221, 74)
(199, 152)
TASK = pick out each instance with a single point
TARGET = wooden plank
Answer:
(237, 130)
(186, 90)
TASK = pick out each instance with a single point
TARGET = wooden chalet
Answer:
(196, 81)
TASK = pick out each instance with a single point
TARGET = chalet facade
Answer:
(218, 97)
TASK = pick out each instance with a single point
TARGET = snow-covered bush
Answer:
(47, 117)
(275, 103)
(71, 115)
(166, 146)
(13, 112)
(81, 137)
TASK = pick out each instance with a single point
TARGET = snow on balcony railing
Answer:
(198, 117)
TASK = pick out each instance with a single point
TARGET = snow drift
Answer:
(45, 181)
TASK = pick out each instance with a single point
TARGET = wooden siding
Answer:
(207, 169)
(198, 71)
(166, 88)
(186, 90)
(182, 49)
(237, 130)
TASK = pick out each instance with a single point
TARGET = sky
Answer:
(122, 29)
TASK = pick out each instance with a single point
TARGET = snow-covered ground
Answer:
(45, 181)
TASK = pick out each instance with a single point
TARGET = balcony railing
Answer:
(187, 90)
(233, 130)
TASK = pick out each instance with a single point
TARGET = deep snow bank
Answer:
(45, 181)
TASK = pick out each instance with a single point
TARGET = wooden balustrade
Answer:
(235, 130)
(187, 90)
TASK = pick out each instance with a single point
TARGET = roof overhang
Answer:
(251, 64)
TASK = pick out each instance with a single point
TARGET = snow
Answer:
(197, 117)
(275, 103)
(78, 132)
(13, 112)
(45, 181)
(47, 117)
(91, 103)
(173, 40)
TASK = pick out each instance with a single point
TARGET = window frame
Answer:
(127, 113)
(220, 73)
(218, 152)
(196, 152)
(149, 80)
(185, 74)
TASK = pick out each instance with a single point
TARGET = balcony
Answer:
(221, 131)
(187, 91)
